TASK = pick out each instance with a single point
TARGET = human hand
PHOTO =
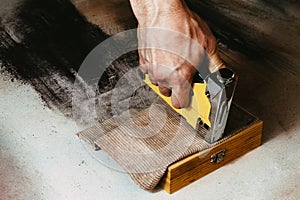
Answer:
(172, 71)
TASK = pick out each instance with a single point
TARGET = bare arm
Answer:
(166, 69)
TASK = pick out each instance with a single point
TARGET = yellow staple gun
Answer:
(210, 102)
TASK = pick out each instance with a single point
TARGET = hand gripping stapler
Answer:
(211, 97)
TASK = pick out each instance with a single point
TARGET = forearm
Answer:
(148, 10)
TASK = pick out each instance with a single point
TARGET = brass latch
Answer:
(218, 157)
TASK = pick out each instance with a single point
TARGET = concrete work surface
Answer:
(42, 158)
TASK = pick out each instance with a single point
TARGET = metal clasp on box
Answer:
(218, 157)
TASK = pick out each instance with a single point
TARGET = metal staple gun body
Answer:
(210, 101)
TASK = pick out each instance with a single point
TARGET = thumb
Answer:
(216, 62)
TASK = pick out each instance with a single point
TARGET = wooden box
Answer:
(193, 167)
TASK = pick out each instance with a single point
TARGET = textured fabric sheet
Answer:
(145, 143)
